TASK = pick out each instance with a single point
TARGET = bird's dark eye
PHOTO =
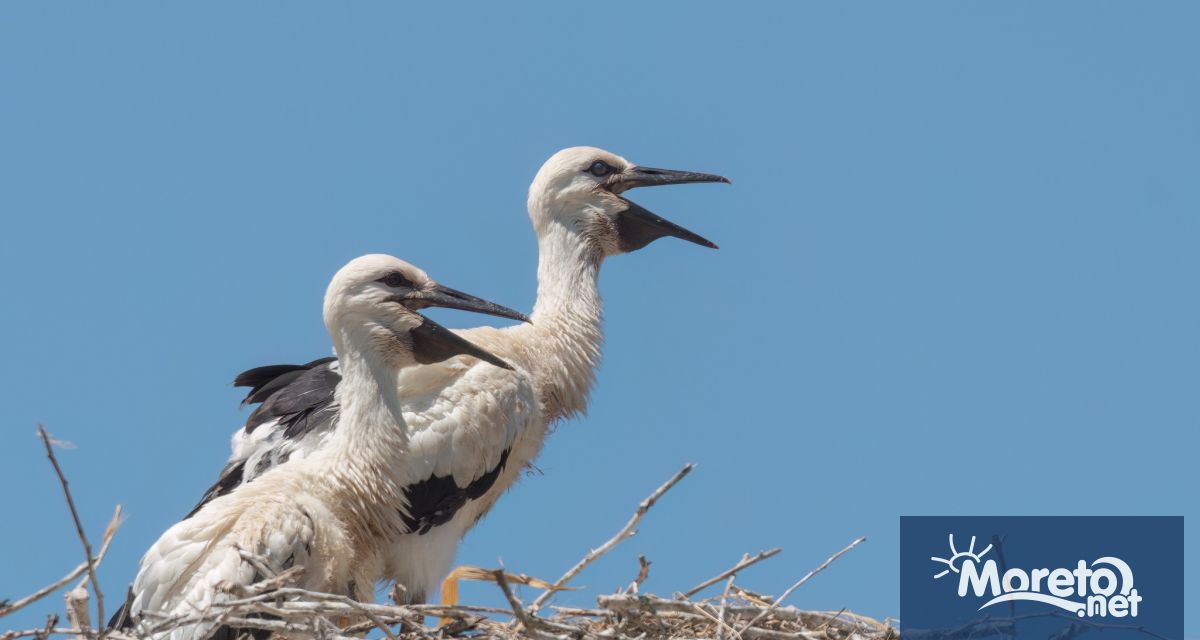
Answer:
(600, 169)
(396, 279)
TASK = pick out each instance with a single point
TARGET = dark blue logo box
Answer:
(1041, 577)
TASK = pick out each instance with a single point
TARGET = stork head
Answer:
(580, 188)
(376, 298)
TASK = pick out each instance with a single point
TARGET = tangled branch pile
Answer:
(274, 605)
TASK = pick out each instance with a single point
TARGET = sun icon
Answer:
(958, 557)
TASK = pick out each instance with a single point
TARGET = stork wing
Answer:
(291, 395)
(296, 413)
(202, 560)
(463, 420)
(466, 428)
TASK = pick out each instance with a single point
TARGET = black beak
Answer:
(442, 296)
(635, 177)
(637, 227)
(434, 343)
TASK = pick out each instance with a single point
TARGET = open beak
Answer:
(443, 296)
(434, 343)
(637, 227)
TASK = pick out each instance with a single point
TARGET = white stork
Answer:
(335, 512)
(473, 427)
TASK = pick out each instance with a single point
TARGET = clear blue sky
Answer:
(958, 267)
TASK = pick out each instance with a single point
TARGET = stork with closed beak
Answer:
(335, 513)
(474, 427)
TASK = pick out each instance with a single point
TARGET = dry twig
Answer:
(87, 546)
(725, 594)
(625, 532)
(807, 576)
(732, 571)
(643, 573)
(75, 573)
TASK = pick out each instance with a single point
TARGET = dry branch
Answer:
(75, 573)
(89, 558)
(731, 572)
(725, 596)
(625, 532)
(806, 578)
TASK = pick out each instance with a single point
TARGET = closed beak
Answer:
(443, 296)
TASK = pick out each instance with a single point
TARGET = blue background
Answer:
(1152, 546)
(958, 269)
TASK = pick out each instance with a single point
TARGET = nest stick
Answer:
(625, 532)
(725, 596)
(75, 573)
(807, 576)
(87, 546)
(732, 571)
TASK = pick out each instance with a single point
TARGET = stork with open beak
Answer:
(473, 427)
(334, 514)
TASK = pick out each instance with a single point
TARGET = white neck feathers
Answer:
(370, 416)
(566, 322)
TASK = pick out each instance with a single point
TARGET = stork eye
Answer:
(396, 279)
(600, 169)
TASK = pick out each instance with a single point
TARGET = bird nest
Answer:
(716, 608)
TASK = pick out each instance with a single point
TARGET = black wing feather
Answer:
(434, 500)
(231, 476)
(297, 395)
(265, 381)
(122, 620)
(268, 389)
(296, 399)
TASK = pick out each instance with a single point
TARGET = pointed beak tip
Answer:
(493, 360)
(490, 358)
(449, 298)
(434, 343)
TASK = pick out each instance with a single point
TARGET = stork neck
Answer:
(370, 416)
(567, 321)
